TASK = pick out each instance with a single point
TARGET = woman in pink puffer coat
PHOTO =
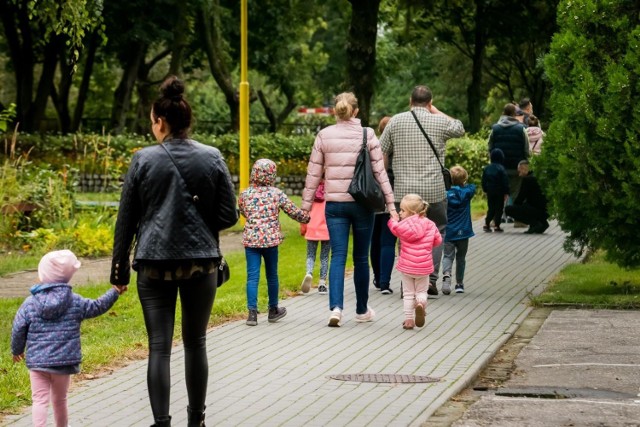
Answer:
(418, 236)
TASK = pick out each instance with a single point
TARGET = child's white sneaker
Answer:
(306, 283)
(336, 317)
(322, 287)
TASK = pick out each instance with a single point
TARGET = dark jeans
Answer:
(527, 214)
(495, 206)
(383, 249)
(342, 218)
(437, 213)
(158, 299)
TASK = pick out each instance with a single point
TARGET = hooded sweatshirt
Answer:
(48, 324)
(494, 176)
(459, 212)
(260, 204)
(418, 235)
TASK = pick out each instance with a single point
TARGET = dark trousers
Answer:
(158, 299)
(527, 214)
(495, 205)
(383, 249)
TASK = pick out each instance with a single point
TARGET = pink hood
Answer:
(535, 139)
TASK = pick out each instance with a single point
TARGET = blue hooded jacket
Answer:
(459, 225)
(48, 324)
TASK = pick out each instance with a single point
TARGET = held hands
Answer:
(120, 289)
(394, 215)
(18, 357)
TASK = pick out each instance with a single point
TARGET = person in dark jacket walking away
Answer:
(459, 229)
(495, 185)
(511, 137)
(177, 197)
(260, 204)
(48, 324)
(530, 207)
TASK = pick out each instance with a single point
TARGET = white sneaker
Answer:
(306, 283)
(336, 317)
(366, 317)
(322, 287)
(446, 284)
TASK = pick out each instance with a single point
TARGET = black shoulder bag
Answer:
(223, 268)
(364, 187)
(446, 175)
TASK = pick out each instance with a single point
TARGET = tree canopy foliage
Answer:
(591, 156)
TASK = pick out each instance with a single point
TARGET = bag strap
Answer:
(428, 139)
(364, 137)
(193, 196)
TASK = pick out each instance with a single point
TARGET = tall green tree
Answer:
(361, 53)
(591, 156)
(36, 33)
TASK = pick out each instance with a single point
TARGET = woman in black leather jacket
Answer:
(176, 198)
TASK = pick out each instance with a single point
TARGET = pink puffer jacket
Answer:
(418, 236)
(334, 155)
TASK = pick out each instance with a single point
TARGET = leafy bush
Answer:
(470, 152)
(591, 157)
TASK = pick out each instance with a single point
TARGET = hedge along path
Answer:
(92, 271)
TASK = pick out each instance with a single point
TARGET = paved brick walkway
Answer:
(278, 374)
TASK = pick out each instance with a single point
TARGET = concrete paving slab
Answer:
(279, 374)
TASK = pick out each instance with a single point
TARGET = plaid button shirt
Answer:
(415, 168)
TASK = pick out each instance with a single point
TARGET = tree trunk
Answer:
(37, 111)
(60, 97)
(268, 111)
(124, 91)
(474, 90)
(210, 21)
(21, 50)
(84, 84)
(361, 53)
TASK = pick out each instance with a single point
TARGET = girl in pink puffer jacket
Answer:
(418, 236)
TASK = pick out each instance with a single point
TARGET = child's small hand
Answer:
(120, 289)
(18, 358)
(303, 229)
(394, 215)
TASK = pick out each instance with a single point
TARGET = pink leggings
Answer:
(414, 290)
(44, 386)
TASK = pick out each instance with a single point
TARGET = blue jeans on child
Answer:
(254, 258)
(341, 218)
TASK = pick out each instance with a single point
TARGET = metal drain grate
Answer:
(384, 378)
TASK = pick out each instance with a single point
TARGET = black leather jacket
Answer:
(158, 209)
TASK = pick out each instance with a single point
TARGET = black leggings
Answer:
(158, 300)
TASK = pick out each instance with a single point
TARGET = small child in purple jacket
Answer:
(48, 324)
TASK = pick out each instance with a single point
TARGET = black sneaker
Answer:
(375, 285)
(276, 313)
(487, 229)
(252, 319)
(459, 288)
(432, 290)
(386, 291)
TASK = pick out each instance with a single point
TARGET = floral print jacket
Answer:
(260, 204)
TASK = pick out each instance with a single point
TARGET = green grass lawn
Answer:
(119, 336)
(595, 283)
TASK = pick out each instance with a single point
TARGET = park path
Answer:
(280, 374)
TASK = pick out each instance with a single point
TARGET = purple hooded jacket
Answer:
(48, 324)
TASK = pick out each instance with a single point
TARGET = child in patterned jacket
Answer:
(260, 204)
(48, 324)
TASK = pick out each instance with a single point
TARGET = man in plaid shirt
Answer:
(415, 167)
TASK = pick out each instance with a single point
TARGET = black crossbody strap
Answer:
(428, 139)
(193, 196)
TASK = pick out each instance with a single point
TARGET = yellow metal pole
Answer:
(244, 99)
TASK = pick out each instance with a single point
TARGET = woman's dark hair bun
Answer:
(172, 88)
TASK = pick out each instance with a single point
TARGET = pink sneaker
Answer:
(420, 315)
(366, 317)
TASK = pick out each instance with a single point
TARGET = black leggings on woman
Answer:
(158, 300)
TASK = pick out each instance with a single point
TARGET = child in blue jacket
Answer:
(459, 229)
(48, 324)
(495, 184)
